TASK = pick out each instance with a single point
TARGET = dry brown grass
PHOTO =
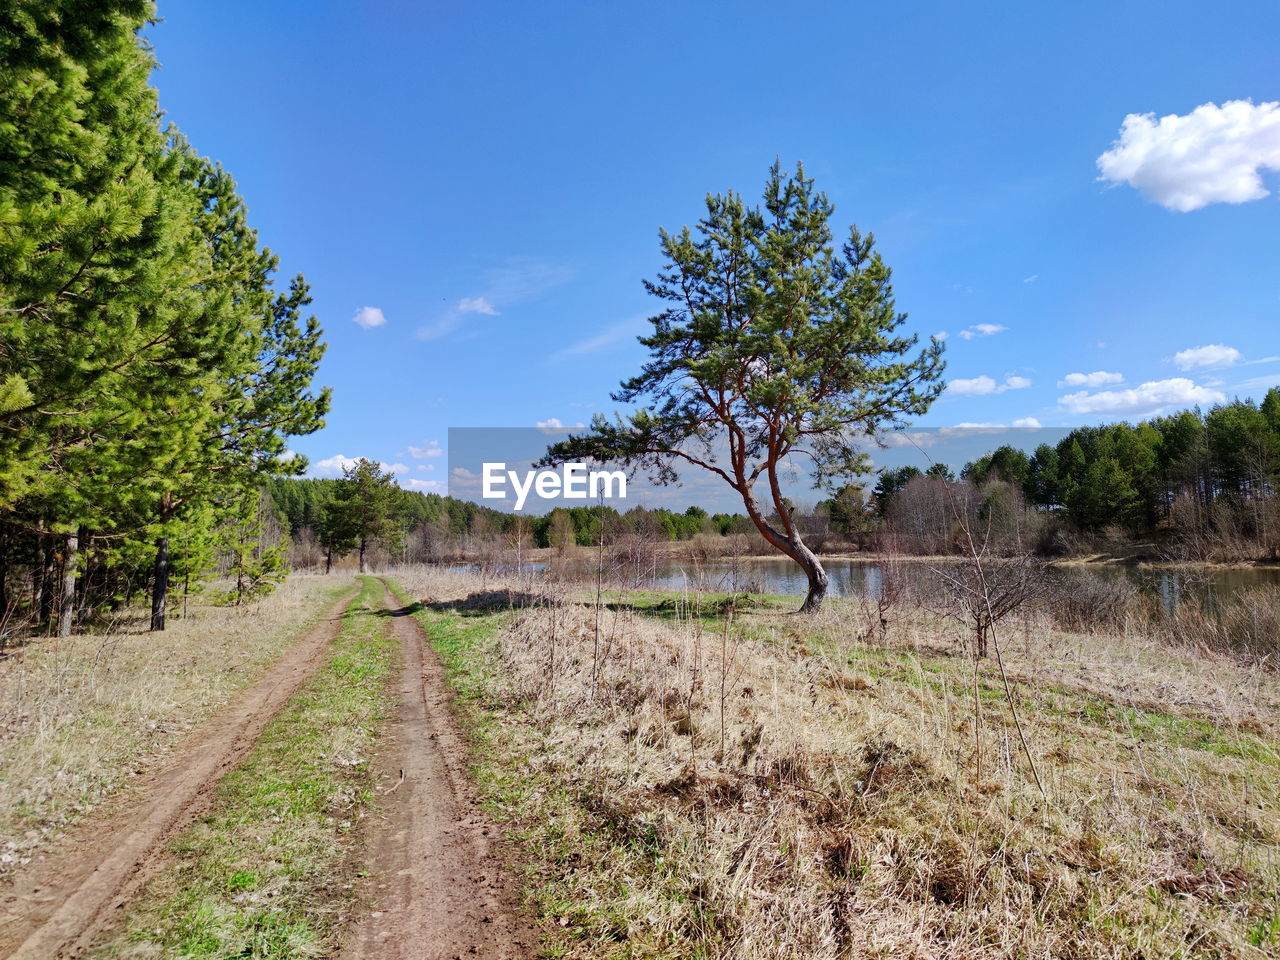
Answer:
(82, 716)
(779, 787)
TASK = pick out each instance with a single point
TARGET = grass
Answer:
(80, 717)
(266, 872)
(686, 784)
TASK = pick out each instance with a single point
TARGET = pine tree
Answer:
(365, 506)
(774, 342)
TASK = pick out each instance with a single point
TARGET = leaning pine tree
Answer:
(774, 345)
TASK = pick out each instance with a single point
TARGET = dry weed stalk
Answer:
(819, 805)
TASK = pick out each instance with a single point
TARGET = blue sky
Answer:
(488, 180)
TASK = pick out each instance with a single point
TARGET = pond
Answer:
(865, 578)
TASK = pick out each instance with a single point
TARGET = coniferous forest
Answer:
(154, 361)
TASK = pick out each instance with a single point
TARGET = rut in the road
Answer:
(55, 906)
(440, 890)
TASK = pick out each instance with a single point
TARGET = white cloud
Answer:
(1099, 378)
(983, 385)
(975, 386)
(554, 424)
(1213, 355)
(476, 305)
(1028, 423)
(422, 486)
(981, 330)
(432, 449)
(1148, 398)
(1214, 154)
(941, 335)
(518, 281)
(333, 466)
(369, 317)
(1031, 279)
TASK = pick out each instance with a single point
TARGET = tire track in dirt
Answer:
(55, 906)
(439, 887)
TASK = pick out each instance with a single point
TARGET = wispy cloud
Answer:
(1214, 154)
(1099, 378)
(501, 287)
(608, 337)
(1031, 279)
(981, 330)
(422, 486)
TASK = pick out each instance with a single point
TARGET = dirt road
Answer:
(438, 887)
(56, 905)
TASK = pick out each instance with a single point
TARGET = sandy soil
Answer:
(438, 886)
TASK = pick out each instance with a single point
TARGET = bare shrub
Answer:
(1245, 625)
(983, 591)
(1083, 600)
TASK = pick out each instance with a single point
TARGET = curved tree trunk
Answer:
(797, 550)
(817, 575)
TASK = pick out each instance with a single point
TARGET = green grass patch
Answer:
(264, 873)
(562, 829)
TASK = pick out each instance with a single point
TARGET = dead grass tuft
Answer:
(82, 716)
(776, 787)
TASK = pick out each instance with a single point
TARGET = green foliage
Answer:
(847, 510)
(890, 482)
(151, 372)
(775, 341)
(363, 510)
(250, 540)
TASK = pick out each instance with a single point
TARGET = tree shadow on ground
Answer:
(408, 611)
(485, 602)
(706, 607)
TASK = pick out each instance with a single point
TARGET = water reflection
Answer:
(866, 578)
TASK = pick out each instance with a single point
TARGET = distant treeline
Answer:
(434, 527)
(1205, 484)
